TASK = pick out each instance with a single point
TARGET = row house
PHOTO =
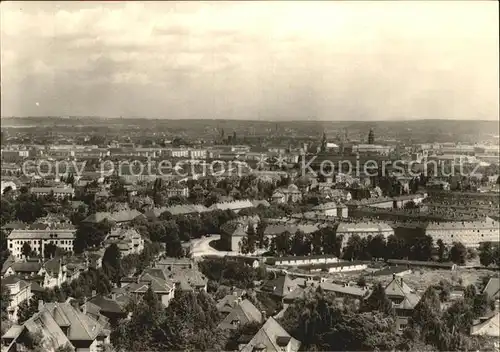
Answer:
(57, 192)
(332, 209)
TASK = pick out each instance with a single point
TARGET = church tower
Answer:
(371, 137)
(323, 143)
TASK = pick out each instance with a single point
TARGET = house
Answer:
(242, 313)
(228, 302)
(279, 286)
(186, 279)
(328, 209)
(26, 269)
(404, 299)
(7, 264)
(129, 241)
(55, 273)
(109, 307)
(271, 338)
(487, 326)
(345, 290)
(19, 291)
(161, 285)
(177, 190)
(492, 288)
(60, 325)
(287, 194)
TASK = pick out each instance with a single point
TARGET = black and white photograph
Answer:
(250, 176)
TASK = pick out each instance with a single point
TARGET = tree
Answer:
(458, 253)
(26, 250)
(49, 250)
(26, 309)
(111, 262)
(486, 254)
(441, 250)
(262, 240)
(378, 301)
(4, 302)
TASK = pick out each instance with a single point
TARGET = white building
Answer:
(363, 230)
(62, 237)
(469, 233)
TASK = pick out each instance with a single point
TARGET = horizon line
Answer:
(248, 120)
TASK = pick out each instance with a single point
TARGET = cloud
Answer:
(240, 60)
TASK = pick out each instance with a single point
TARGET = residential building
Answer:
(177, 191)
(242, 313)
(470, 233)
(57, 192)
(157, 279)
(128, 240)
(404, 299)
(39, 235)
(280, 286)
(287, 194)
(271, 338)
(363, 230)
(19, 291)
(345, 290)
(60, 325)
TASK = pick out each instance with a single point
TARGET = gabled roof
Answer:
(245, 312)
(272, 338)
(26, 267)
(106, 305)
(7, 264)
(397, 287)
(227, 303)
(98, 217)
(82, 327)
(487, 327)
(492, 288)
(279, 286)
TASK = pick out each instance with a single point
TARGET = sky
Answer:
(262, 60)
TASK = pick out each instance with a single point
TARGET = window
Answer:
(402, 326)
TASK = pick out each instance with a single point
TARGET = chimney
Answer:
(113, 296)
(264, 316)
(40, 304)
(94, 293)
(401, 281)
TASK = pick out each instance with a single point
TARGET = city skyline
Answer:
(281, 61)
